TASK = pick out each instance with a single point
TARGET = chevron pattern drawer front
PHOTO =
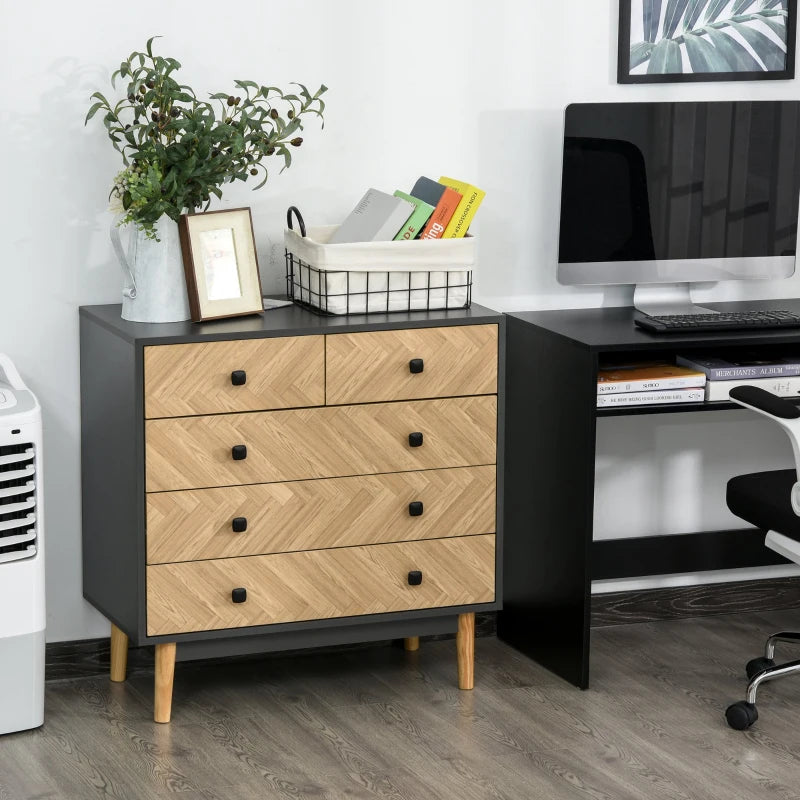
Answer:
(319, 584)
(310, 515)
(411, 364)
(239, 375)
(198, 452)
(291, 480)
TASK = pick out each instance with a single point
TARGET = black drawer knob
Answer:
(416, 365)
(415, 439)
(239, 524)
(415, 509)
(239, 452)
(239, 595)
(414, 577)
(238, 377)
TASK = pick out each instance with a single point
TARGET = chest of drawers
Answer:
(290, 481)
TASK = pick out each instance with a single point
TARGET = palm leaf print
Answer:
(707, 36)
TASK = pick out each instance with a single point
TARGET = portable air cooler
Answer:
(22, 610)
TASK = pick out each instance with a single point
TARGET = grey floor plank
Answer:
(383, 723)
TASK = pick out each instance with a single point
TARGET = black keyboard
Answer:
(733, 321)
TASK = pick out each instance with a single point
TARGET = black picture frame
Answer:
(624, 52)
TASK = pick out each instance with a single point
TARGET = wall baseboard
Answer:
(683, 552)
(90, 657)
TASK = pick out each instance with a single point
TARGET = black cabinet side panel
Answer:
(110, 484)
(549, 497)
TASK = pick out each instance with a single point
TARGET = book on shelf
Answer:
(662, 396)
(788, 386)
(416, 222)
(471, 198)
(745, 365)
(444, 201)
(377, 217)
(647, 378)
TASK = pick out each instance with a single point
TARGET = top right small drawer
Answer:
(411, 364)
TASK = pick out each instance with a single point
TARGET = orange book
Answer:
(647, 378)
(442, 214)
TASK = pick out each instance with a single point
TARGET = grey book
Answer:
(742, 365)
(377, 218)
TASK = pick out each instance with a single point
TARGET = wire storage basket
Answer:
(375, 277)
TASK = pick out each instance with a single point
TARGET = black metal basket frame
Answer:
(300, 277)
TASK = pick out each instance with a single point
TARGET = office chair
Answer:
(771, 501)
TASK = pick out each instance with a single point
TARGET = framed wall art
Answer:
(671, 41)
(219, 258)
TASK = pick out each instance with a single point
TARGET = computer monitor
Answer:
(668, 194)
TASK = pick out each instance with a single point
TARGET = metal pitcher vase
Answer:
(155, 284)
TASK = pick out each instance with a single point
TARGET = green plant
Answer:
(178, 151)
(712, 34)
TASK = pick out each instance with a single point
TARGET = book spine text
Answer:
(648, 398)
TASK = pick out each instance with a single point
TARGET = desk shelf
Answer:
(674, 408)
(665, 408)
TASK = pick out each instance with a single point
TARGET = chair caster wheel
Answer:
(741, 715)
(758, 665)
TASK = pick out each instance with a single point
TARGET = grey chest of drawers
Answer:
(288, 481)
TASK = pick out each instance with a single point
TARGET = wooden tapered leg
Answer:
(119, 654)
(165, 674)
(411, 643)
(465, 647)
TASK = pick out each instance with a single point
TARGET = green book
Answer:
(419, 216)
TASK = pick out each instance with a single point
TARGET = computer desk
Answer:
(551, 419)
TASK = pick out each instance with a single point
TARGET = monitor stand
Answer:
(662, 299)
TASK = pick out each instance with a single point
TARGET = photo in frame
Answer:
(674, 41)
(221, 265)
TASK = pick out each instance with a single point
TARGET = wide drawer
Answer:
(319, 584)
(238, 375)
(198, 452)
(310, 515)
(446, 362)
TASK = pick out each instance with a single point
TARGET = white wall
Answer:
(470, 89)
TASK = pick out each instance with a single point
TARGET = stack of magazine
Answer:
(647, 384)
(779, 374)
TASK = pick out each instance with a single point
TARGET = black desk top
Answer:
(292, 320)
(610, 329)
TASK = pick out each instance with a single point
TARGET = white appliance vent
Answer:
(18, 499)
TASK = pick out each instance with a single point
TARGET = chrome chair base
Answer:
(742, 714)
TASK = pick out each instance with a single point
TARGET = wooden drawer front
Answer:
(310, 515)
(184, 379)
(195, 452)
(370, 367)
(319, 584)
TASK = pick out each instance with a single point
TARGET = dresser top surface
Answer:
(289, 320)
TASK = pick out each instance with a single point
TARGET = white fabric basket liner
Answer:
(370, 277)
(419, 255)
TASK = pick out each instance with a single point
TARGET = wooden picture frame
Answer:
(221, 264)
(672, 41)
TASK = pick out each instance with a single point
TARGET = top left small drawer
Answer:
(238, 375)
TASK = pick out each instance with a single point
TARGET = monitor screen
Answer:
(679, 192)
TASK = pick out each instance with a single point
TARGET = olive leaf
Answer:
(177, 151)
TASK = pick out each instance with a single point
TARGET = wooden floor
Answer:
(387, 723)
